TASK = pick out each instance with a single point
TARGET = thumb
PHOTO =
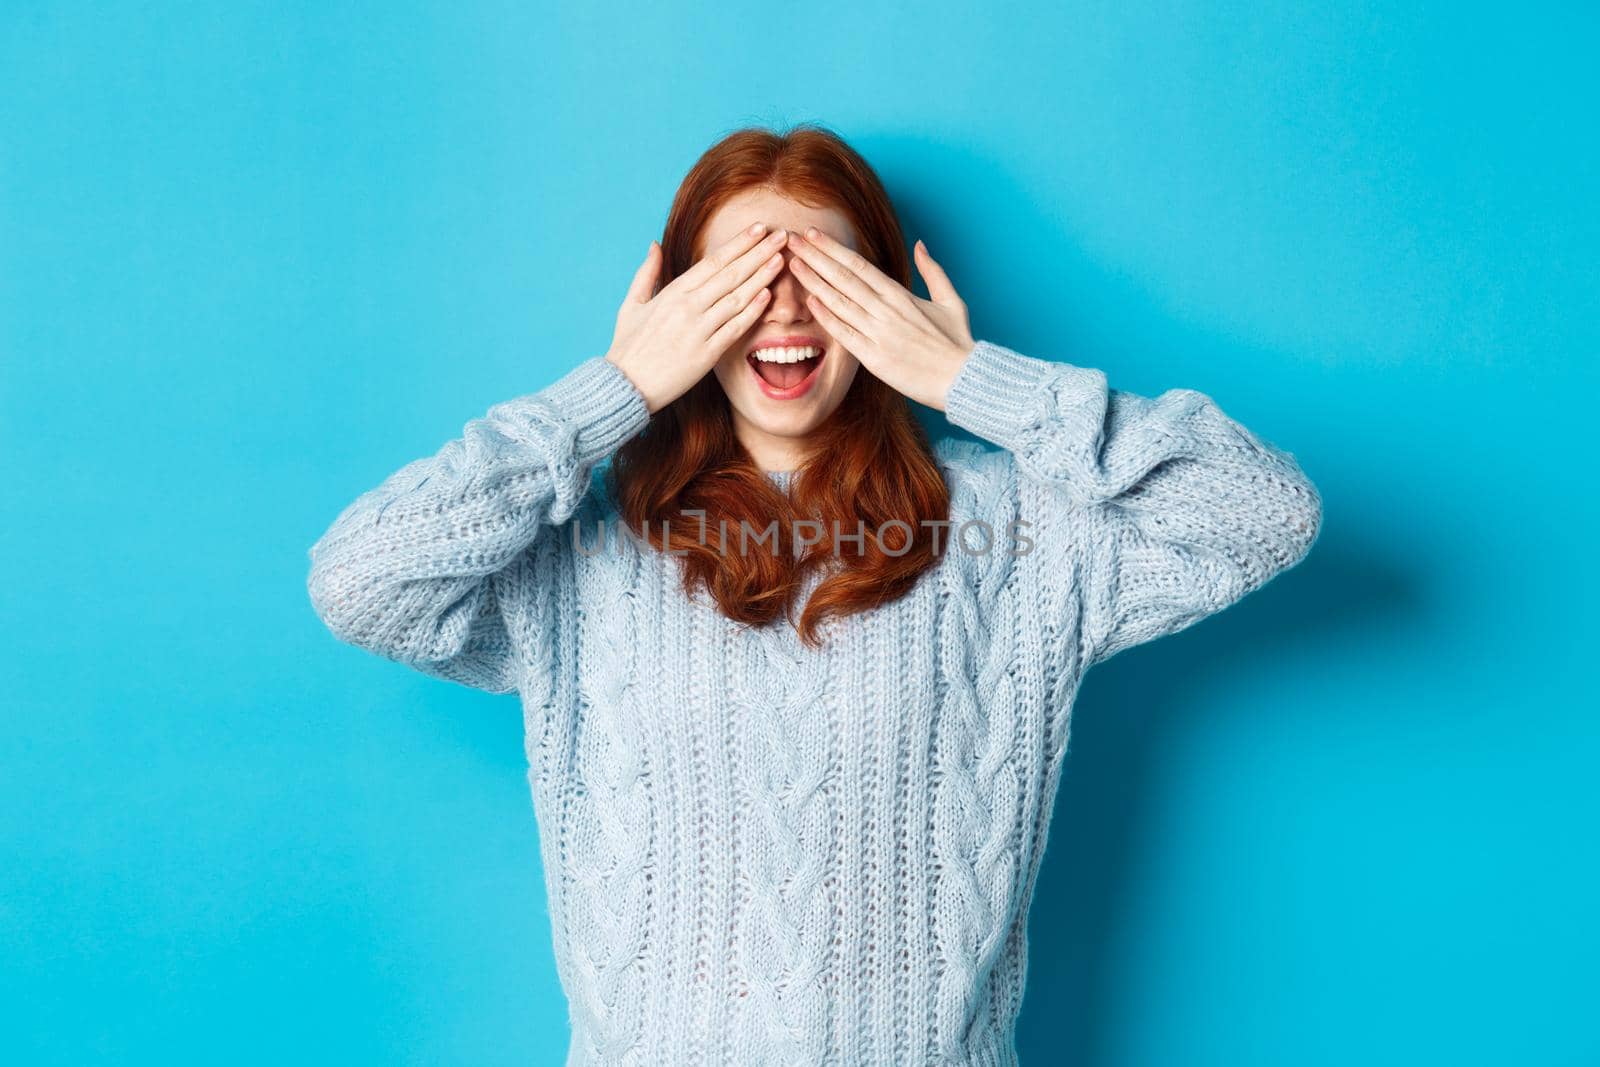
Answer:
(643, 286)
(940, 291)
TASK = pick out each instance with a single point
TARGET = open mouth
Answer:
(785, 372)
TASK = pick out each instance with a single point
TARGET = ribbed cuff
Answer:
(597, 400)
(1000, 394)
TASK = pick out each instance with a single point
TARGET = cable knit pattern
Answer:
(609, 898)
(788, 838)
(759, 853)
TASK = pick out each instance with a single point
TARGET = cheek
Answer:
(731, 360)
(845, 368)
(727, 370)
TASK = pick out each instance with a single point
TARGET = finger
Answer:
(940, 291)
(643, 286)
(740, 324)
(722, 255)
(735, 274)
(730, 304)
(837, 303)
(811, 266)
(854, 261)
(846, 334)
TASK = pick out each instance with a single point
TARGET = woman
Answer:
(796, 681)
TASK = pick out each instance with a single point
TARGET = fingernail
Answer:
(811, 233)
(758, 229)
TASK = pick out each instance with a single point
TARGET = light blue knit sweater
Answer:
(756, 853)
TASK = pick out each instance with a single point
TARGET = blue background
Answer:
(253, 257)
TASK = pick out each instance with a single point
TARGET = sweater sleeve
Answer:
(418, 569)
(1164, 509)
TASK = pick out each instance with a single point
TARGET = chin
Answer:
(788, 423)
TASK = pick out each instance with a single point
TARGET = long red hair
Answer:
(869, 464)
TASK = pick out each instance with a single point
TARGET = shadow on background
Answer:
(1129, 705)
(1127, 708)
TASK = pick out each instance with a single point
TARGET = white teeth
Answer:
(787, 355)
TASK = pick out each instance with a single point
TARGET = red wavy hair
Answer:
(869, 464)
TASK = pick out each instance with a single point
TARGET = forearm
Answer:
(402, 570)
(1183, 510)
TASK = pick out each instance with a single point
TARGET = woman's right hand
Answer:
(668, 341)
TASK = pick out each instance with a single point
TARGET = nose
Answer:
(788, 296)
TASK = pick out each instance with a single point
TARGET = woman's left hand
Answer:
(916, 346)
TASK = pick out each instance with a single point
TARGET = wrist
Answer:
(594, 399)
(949, 367)
(624, 364)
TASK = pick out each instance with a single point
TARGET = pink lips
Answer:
(803, 386)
